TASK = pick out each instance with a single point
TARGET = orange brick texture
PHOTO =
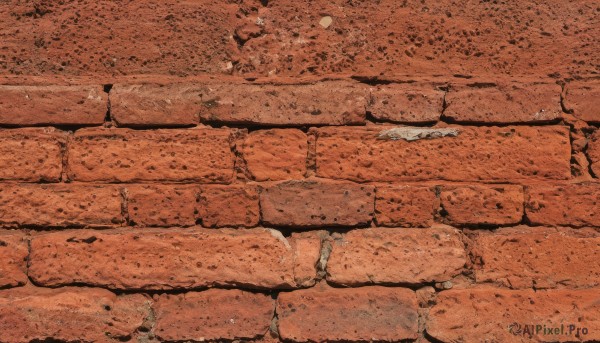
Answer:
(299, 171)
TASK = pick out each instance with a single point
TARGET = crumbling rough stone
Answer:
(255, 258)
(52, 105)
(525, 257)
(213, 314)
(278, 154)
(481, 102)
(358, 314)
(468, 314)
(315, 203)
(162, 205)
(341, 103)
(69, 314)
(123, 155)
(13, 254)
(364, 256)
(31, 154)
(475, 154)
(477, 204)
(405, 205)
(582, 99)
(406, 103)
(60, 205)
(231, 205)
(563, 204)
(155, 105)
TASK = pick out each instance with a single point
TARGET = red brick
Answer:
(52, 105)
(417, 255)
(278, 154)
(155, 104)
(441, 39)
(123, 155)
(307, 254)
(526, 257)
(13, 254)
(31, 154)
(162, 205)
(232, 205)
(582, 98)
(215, 314)
(504, 102)
(322, 314)
(60, 205)
(69, 314)
(468, 315)
(476, 153)
(568, 204)
(406, 103)
(161, 259)
(329, 103)
(482, 204)
(593, 152)
(405, 206)
(316, 203)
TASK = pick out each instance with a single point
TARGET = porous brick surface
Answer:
(299, 171)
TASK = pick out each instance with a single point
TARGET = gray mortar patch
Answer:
(415, 133)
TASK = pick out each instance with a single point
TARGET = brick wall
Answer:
(299, 171)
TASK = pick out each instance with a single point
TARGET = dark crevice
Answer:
(452, 121)
(107, 87)
(482, 85)
(287, 230)
(374, 81)
(62, 127)
(462, 76)
(563, 95)
(252, 126)
(169, 290)
(431, 338)
(371, 119)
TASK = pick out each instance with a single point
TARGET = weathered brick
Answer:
(231, 205)
(214, 314)
(468, 315)
(13, 254)
(582, 98)
(444, 38)
(503, 102)
(372, 313)
(162, 205)
(594, 152)
(31, 154)
(526, 257)
(60, 205)
(123, 155)
(316, 203)
(405, 206)
(69, 314)
(567, 204)
(417, 255)
(52, 105)
(406, 103)
(307, 247)
(328, 103)
(482, 204)
(278, 154)
(476, 153)
(155, 104)
(164, 258)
